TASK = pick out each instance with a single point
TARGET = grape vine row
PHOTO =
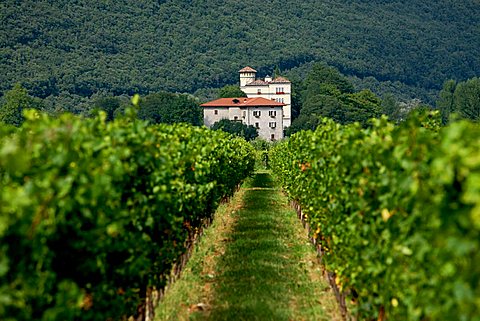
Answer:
(396, 212)
(94, 213)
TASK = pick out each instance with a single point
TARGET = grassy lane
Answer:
(255, 263)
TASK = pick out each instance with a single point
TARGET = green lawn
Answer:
(254, 263)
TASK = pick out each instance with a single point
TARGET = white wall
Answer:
(235, 113)
(246, 115)
(270, 92)
(210, 118)
(264, 120)
(285, 98)
(246, 77)
(252, 91)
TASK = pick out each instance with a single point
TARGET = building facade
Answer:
(264, 114)
(278, 89)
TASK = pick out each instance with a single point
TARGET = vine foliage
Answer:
(396, 211)
(94, 214)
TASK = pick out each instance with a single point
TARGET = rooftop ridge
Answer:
(247, 69)
(242, 102)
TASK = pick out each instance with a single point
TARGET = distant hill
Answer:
(120, 46)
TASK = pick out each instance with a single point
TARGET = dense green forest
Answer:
(76, 49)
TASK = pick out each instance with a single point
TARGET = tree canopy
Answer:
(327, 93)
(327, 80)
(109, 105)
(462, 98)
(446, 100)
(467, 99)
(391, 107)
(231, 91)
(14, 102)
(248, 132)
(170, 108)
(77, 48)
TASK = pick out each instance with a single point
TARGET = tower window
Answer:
(215, 112)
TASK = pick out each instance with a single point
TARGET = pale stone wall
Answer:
(211, 115)
(266, 123)
(235, 113)
(246, 77)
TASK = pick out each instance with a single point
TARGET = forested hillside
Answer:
(121, 47)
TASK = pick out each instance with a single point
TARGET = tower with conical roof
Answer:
(278, 89)
(247, 75)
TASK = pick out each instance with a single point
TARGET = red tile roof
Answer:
(257, 82)
(243, 102)
(280, 80)
(247, 69)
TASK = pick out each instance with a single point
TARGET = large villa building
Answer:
(278, 89)
(268, 106)
(265, 115)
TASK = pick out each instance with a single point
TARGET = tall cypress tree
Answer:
(467, 99)
(446, 100)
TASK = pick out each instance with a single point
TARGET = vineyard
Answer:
(395, 212)
(94, 214)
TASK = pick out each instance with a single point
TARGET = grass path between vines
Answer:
(253, 263)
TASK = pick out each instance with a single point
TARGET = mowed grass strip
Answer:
(255, 263)
(190, 296)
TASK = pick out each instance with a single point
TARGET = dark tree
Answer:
(322, 75)
(109, 105)
(170, 108)
(361, 107)
(14, 102)
(248, 132)
(467, 99)
(231, 91)
(391, 107)
(327, 93)
(462, 98)
(297, 88)
(446, 100)
(276, 72)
